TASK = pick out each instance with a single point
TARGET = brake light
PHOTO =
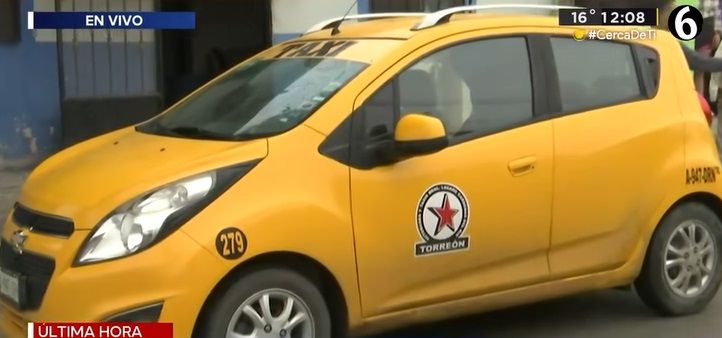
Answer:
(706, 109)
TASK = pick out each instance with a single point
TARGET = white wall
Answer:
(296, 16)
(536, 2)
(531, 2)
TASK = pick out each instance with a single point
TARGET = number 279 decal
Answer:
(231, 243)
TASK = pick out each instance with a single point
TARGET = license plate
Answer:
(10, 285)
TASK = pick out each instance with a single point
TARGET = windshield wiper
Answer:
(196, 132)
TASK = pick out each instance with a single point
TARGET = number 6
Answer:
(680, 21)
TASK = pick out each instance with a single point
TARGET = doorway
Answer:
(227, 32)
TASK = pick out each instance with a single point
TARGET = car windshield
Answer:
(260, 98)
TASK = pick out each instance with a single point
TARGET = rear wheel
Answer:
(682, 272)
(269, 303)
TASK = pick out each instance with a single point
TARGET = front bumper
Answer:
(176, 272)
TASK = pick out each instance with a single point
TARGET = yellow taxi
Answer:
(367, 176)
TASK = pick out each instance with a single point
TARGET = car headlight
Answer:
(145, 220)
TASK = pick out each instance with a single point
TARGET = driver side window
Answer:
(477, 87)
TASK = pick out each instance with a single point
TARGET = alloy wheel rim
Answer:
(272, 313)
(690, 258)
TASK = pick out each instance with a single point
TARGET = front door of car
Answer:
(472, 218)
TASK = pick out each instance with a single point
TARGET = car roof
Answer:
(401, 28)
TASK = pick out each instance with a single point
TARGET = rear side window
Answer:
(649, 66)
(595, 74)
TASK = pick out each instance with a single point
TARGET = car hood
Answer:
(88, 181)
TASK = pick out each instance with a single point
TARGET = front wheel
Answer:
(682, 272)
(268, 303)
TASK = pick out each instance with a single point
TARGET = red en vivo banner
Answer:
(100, 330)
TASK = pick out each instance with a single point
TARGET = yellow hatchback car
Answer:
(400, 170)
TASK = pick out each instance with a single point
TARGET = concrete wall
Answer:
(119, 63)
(29, 97)
(293, 17)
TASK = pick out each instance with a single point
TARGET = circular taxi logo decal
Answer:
(441, 218)
(231, 243)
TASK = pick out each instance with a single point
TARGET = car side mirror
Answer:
(419, 134)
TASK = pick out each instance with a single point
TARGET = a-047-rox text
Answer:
(702, 175)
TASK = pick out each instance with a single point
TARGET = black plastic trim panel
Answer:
(143, 314)
(42, 223)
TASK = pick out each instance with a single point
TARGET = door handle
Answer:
(522, 166)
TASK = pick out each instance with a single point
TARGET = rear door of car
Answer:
(617, 140)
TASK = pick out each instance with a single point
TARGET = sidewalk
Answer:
(10, 183)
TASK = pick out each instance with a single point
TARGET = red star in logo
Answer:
(445, 214)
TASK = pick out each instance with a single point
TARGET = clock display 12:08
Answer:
(616, 18)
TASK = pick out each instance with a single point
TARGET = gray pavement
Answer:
(10, 182)
(603, 314)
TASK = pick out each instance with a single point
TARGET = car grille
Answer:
(36, 268)
(37, 222)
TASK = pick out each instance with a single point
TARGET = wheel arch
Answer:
(707, 198)
(306, 266)
(712, 201)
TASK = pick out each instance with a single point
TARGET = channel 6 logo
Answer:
(685, 22)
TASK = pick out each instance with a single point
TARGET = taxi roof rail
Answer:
(331, 22)
(443, 16)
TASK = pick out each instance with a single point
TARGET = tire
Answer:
(662, 288)
(279, 284)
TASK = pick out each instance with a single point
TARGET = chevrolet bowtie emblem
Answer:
(18, 240)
